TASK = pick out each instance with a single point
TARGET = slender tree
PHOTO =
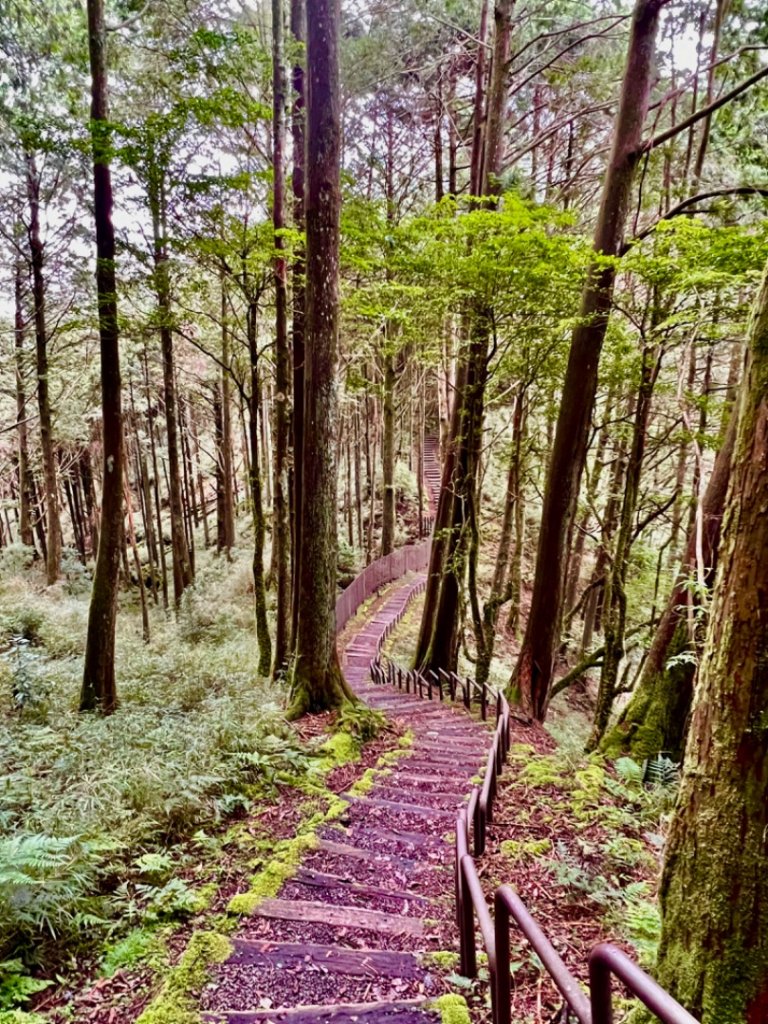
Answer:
(281, 526)
(318, 683)
(532, 678)
(299, 35)
(99, 689)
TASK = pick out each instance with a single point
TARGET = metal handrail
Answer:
(606, 960)
(509, 907)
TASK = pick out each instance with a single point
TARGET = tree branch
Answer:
(699, 115)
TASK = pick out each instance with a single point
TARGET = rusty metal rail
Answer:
(605, 961)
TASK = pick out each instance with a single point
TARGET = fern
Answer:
(629, 771)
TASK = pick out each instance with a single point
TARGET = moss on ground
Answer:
(445, 959)
(266, 883)
(516, 850)
(176, 1003)
(452, 1008)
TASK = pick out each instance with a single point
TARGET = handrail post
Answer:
(600, 991)
(502, 998)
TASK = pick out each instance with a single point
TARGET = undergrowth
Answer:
(100, 816)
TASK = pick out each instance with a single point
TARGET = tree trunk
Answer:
(257, 508)
(318, 683)
(656, 717)
(438, 638)
(182, 567)
(713, 956)
(99, 689)
(50, 482)
(388, 455)
(532, 678)
(299, 34)
(499, 587)
(156, 488)
(25, 514)
(225, 510)
(281, 526)
(615, 600)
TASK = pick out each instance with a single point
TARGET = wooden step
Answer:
(376, 963)
(406, 1011)
(354, 852)
(392, 836)
(340, 917)
(325, 880)
(417, 810)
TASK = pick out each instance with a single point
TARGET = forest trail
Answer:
(349, 936)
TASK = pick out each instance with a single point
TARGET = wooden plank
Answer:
(340, 917)
(355, 852)
(391, 836)
(374, 963)
(325, 880)
(399, 784)
(406, 1011)
(417, 810)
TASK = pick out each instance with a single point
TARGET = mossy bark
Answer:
(656, 717)
(713, 955)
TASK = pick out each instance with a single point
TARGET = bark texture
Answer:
(318, 683)
(99, 689)
(532, 679)
(714, 892)
(281, 526)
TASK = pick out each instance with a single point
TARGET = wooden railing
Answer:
(605, 960)
(409, 558)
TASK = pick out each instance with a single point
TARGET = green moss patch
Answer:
(176, 1002)
(517, 850)
(452, 1008)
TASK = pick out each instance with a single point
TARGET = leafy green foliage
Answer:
(90, 807)
(16, 986)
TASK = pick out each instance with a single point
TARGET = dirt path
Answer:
(348, 938)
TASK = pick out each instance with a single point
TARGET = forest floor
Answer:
(199, 803)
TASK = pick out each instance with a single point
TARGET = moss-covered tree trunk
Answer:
(656, 717)
(99, 689)
(714, 892)
(318, 683)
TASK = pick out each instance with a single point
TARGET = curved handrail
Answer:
(509, 907)
(605, 960)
